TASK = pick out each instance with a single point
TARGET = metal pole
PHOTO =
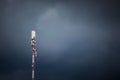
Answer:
(33, 37)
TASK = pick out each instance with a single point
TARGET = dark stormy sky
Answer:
(76, 39)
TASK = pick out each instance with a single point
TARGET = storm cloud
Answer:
(76, 40)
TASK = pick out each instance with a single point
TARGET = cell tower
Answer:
(34, 52)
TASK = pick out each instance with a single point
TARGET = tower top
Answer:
(33, 34)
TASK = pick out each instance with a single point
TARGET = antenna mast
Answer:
(34, 52)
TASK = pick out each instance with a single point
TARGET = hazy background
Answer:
(76, 39)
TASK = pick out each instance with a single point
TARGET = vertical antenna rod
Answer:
(34, 53)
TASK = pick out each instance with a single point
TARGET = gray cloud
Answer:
(75, 39)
